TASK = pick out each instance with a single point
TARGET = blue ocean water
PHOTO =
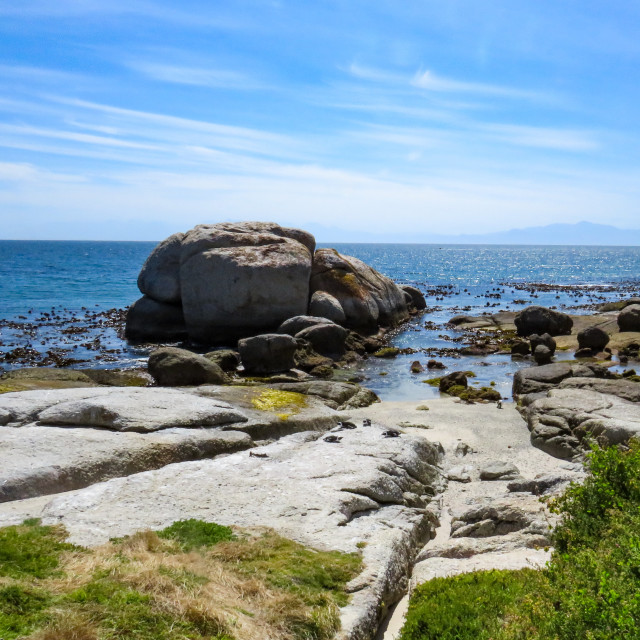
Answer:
(48, 282)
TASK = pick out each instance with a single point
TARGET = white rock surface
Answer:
(142, 409)
(44, 460)
(366, 489)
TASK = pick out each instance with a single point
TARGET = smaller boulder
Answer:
(435, 364)
(520, 348)
(295, 325)
(536, 319)
(416, 367)
(149, 320)
(545, 339)
(629, 318)
(172, 367)
(499, 471)
(226, 359)
(324, 305)
(326, 339)
(542, 355)
(416, 297)
(593, 338)
(267, 353)
(455, 379)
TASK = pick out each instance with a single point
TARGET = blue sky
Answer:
(133, 119)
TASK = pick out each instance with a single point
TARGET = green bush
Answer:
(590, 588)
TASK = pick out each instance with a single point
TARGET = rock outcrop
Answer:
(369, 299)
(221, 282)
(365, 491)
(561, 422)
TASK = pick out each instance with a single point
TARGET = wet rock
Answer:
(226, 359)
(295, 325)
(593, 338)
(545, 340)
(499, 471)
(173, 367)
(542, 320)
(417, 298)
(520, 348)
(454, 379)
(324, 305)
(268, 353)
(326, 339)
(149, 321)
(542, 355)
(629, 318)
(416, 367)
(434, 364)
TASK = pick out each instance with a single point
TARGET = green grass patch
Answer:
(21, 610)
(193, 580)
(195, 534)
(317, 576)
(31, 550)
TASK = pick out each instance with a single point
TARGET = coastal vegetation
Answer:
(191, 580)
(589, 589)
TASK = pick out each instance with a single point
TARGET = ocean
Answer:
(57, 296)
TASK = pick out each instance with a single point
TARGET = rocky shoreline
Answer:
(262, 422)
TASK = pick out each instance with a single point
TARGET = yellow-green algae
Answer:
(274, 400)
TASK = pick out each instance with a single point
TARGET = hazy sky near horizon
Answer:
(131, 120)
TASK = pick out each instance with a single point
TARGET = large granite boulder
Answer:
(240, 279)
(149, 321)
(325, 305)
(160, 275)
(268, 353)
(629, 318)
(173, 367)
(454, 379)
(369, 299)
(542, 320)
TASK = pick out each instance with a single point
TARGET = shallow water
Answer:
(74, 281)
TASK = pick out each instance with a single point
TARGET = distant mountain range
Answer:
(581, 233)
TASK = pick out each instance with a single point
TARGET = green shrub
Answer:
(590, 588)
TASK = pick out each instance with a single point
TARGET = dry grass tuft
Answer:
(257, 586)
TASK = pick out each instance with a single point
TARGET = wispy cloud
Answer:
(433, 82)
(202, 77)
